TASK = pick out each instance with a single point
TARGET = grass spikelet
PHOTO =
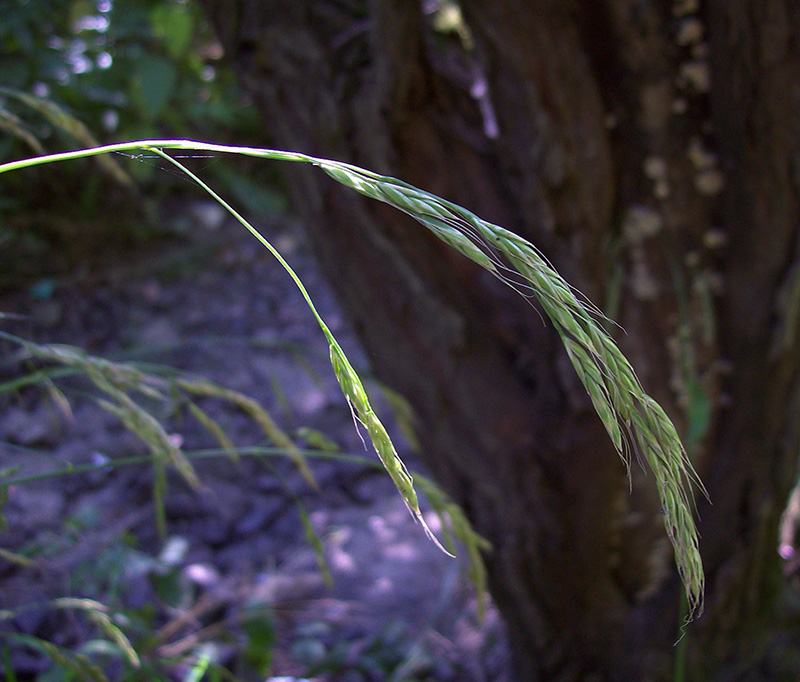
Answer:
(116, 380)
(80, 666)
(149, 429)
(314, 540)
(212, 426)
(98, 613)
(202, 387)
(455, 523)
(356, 396)
(13, 125)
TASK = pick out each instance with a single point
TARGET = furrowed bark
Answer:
(648, 149)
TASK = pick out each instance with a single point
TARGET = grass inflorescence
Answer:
(632, 418)
(634, 421)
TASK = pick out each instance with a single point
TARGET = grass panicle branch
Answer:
(633, 420)
(349, 381)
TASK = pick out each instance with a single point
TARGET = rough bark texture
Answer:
(650, 149)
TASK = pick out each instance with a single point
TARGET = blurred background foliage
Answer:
(126, 71)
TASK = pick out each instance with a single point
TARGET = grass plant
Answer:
(634, 421)
(122, 637)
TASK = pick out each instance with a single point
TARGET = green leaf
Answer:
(79, 9)
(259, 629)
(153, 85)
(255, 196)
(174, 25)
(699, 414)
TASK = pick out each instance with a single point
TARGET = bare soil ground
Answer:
(219, 306)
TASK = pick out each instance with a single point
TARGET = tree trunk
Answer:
(649, 149)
